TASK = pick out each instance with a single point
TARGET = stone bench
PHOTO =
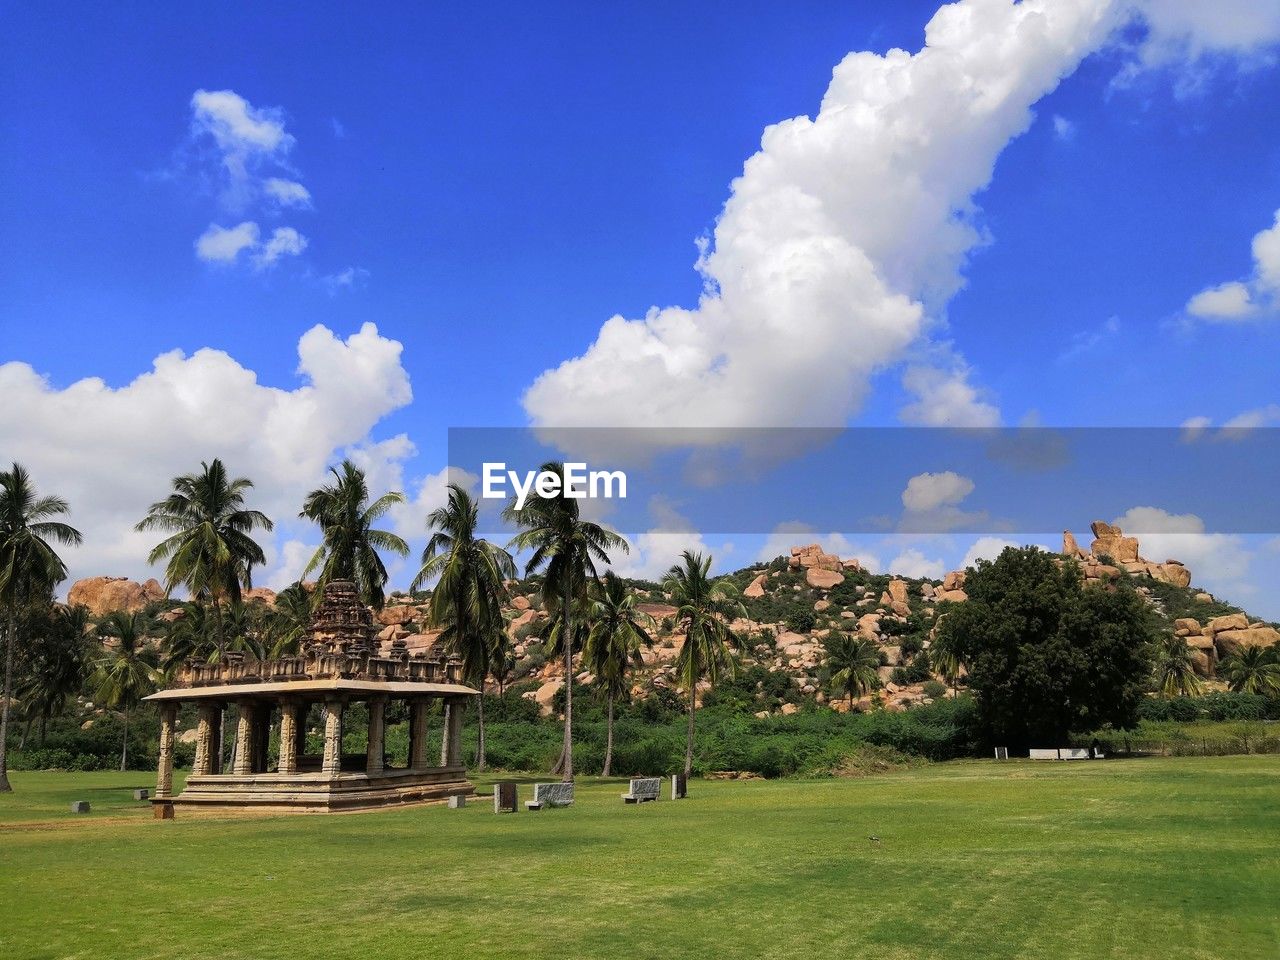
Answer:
(550, 795)
(1059, 753)
(643, 789)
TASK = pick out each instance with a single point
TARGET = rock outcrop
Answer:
(1109, 542)
(103, 595)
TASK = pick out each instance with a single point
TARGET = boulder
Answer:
(869, 625)
(1232, 621)
(755, 588)
(1069, 546)
(545, 695)
(104, 595)
(520, 603)
(1185, 626)
(823, 579)
(396, 615)
(812, 556)
(953, 581)
(898, 591)
(1172, 571)
(1233, 641)
(821, 605)
(261, 594)
(1203, 598)
(953, 596)
(1110, 541)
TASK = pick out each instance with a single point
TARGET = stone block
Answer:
(142, 794)
(80, 806)
(457, 802)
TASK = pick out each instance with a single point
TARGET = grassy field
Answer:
(1160, 858)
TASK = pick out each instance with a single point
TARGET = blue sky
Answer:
(489, 185)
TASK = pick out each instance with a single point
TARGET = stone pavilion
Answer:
(340, 664)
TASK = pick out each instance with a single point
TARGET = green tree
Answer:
(56, 665)
(1253, 670)
(1047, 656)
(1175, 673)
(128, 670)
(945, 662)
(569, 548)
(853, 662)
(704, 608)
(618, 631)
(350, 543)
(29, 567)
(466, 604)
(189, 636)
(210, 549)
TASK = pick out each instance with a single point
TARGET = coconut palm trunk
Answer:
(480, 758)
(568, 685)
(124, 744)
(12, 628)
(608, 742)
(688, 747)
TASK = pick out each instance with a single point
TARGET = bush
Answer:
(802, 621)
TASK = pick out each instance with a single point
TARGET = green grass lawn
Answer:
(1160, 858)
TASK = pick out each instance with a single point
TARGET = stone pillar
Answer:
(288, 765)
(243, 765)
(164, 776)
(206, 745)
(417, 734)
(377, 735)
(300, 731)
(332, 764)
(453, 735)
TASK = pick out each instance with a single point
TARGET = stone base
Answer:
(320, 793)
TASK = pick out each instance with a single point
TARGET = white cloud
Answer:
(1064, 130)
(1193, 428)
(1191, 29)
(985, 548)
(1252, 419)
(913, 563)
(928, 491)
(843, 234)
(225, 244)
(1217, 559)
(287, 193)
(652, 554)
(111, 451)
(1242, 300)
(236, 125)
(343, 279)
(283, 242)
(1085, 341)
(945, 398)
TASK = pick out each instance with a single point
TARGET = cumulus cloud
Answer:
(843, 236)
(1189, 30)
(945, 398)
(913, 563)
(1238, 300)
(225, 244)
(652, 553)
(112, 450)
(928, 491)
(283, 242)
(1064, 130)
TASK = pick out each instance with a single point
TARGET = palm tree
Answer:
(704, 608)
(289, 622)
(569, 548)
(57, 664)
(618, 630)
(28, 567)
(1175, 669)
(210, 549)
(946, 663)
(466, 604)
(351, 544)
(191, 636)
(853, 662)
(1253, 670)
(127, 671)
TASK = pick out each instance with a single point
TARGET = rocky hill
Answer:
(793, 603)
